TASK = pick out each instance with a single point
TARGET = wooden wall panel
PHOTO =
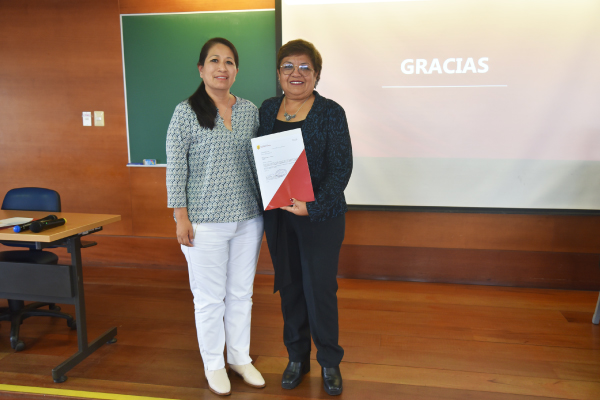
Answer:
(131, 251)
(465, 266)
(134, 251)
(408, 229)
(62, 57)
(171, 6)
(474, 231)
(469, 266)
(151, 217)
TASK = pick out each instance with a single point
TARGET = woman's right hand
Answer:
(185, 231)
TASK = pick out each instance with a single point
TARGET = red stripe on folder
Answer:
(296, 184)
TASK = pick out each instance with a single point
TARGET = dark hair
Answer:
(200, 101)
(301, 47)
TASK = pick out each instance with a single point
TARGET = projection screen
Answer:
(481, 103)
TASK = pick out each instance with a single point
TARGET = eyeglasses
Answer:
(288, 68)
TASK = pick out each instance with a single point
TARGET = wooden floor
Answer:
(402, 341)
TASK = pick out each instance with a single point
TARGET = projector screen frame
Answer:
(475, 210)
(434, 209)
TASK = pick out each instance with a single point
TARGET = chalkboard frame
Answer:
(160, 52)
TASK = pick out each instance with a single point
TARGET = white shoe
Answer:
(218, 382)
(250, 375)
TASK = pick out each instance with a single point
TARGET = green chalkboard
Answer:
(160, 53)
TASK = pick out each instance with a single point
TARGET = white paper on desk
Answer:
(14, 221)
(282, 168)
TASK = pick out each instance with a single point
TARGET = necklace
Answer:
(288, 116)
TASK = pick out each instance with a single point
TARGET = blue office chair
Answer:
(29, 199)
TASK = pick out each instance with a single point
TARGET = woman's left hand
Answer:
(298, 207)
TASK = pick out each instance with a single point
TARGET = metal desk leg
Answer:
(596, 317)
(85, 349)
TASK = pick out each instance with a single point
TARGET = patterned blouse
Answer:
(212, 171)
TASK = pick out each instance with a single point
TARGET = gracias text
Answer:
(450, 66)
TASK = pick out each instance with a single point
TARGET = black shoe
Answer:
(332, 380)
(292, 376)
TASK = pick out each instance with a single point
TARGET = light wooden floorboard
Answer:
(402, 340)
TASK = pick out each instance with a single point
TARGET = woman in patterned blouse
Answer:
(212, 185)
(305, 238)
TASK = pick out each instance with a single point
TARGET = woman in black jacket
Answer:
(305, 238)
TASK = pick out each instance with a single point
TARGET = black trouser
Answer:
(309, 303)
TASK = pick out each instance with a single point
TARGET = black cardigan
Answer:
(329, 154)
(328, 151)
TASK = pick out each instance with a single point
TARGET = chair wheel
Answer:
(20, 346)
(72, 324)
(111, 341)
(60, 379)
(54, 308)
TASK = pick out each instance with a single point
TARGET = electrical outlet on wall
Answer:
(87, 118)
(99, 118)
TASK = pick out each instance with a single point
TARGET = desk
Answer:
(55, 283)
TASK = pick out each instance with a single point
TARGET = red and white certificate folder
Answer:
(282, 168)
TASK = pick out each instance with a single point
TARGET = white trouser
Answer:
(221, 266)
